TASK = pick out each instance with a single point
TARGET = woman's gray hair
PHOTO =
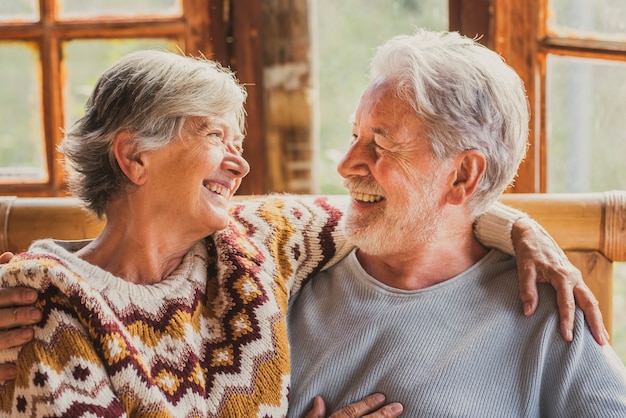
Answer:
(150, 94)
(466, 96)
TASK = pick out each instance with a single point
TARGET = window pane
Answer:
(581, 18)
(347, 33)
(586, 127)
(86, 60)
(120, 8)
(19, 10)
(21, 132)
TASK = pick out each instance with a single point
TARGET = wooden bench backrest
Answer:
(590, 227)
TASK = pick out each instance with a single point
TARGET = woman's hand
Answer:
(14, 313)
(540, 259)
(372, 406)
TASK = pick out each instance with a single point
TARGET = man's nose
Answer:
(355, 160)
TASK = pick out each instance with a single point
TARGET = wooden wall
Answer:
(288, 81)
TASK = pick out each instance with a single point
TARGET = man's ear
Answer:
(130, 161)
(470, 167)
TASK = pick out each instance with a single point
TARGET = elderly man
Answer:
(423, 312)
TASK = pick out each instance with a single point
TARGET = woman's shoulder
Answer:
(45, 261)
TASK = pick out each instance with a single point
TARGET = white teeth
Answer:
(216, 188)
(366, 197)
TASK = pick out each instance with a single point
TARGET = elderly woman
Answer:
(152, 317)
(177, 307)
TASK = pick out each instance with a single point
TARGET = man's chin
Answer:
(364, 240)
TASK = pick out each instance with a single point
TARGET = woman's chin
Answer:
(219, 219)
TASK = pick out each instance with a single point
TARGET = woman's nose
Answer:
(236, 164)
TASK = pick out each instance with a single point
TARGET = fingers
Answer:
(540, 259)
(11, 315)
(7, 371)
(18, 317)
(365, 405)
(392, 410)
(318, 410)
(566, 313)
(373, 405)
(17, 296)
(528, 287)
(591, 308)
(567, 308)
(15, 337)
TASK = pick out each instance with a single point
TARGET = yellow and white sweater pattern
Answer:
(208, 341)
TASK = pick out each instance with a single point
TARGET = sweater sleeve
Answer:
(493, 229)
(301, 234)
(59, 373)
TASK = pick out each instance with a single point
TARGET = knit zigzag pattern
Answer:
(208, 341)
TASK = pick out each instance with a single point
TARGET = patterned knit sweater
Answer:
(208, 341)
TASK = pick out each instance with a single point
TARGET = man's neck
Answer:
(425, 264)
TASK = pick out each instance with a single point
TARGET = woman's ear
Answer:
(470, 167)
(130, 161)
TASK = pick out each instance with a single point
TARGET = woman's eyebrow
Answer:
(202, 125)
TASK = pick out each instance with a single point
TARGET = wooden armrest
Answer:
(579, 221)
(50, 217)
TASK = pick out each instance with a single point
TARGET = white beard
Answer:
(394, 230)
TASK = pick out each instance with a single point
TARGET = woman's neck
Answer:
(138, 253)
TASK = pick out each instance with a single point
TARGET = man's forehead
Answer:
(386, 107)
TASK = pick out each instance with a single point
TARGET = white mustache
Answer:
(363, 185)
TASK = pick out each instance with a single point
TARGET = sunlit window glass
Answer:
(21, 148)
(118, 8)
(586, 127)
(605, 19)
(19, 11)
(86, 60)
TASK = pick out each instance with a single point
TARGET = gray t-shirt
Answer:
(461, 348)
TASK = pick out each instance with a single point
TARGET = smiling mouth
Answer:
(217, 189)
(366, 197)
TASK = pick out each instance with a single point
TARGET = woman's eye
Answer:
(214, 138)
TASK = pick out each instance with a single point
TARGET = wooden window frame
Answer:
(518, 31)
(211, 33)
